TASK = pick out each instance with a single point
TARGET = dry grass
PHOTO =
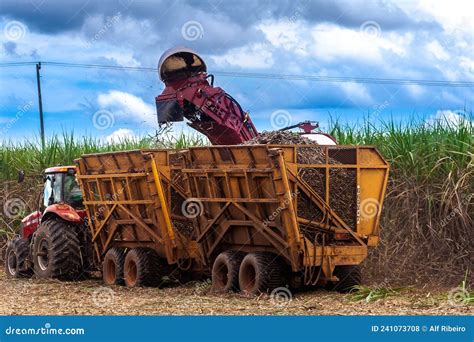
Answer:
(40, 297)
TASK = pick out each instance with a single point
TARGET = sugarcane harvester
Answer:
(190, 94)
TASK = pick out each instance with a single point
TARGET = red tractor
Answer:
(54, 240)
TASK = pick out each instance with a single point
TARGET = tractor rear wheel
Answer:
(225, 271)
(112, 268)
(260, 272)
(57, 251)
(349, 276)
(142, 268)
(16, 258)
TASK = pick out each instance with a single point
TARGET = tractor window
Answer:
(47, 191)
(72, 191)
(57, 187)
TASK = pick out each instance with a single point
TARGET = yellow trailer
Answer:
(269, 217)
(133, 201)
(258, 216)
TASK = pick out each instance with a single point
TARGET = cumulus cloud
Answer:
(357, 93)
(437, 50)
(128, 106)
(256, 56)
(449, 118)
(120, 135)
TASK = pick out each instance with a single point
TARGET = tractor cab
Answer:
(61, 197)
(61, 186)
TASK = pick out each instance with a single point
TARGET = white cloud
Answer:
(120, 135)
(286, 35)
(435, 48)
(128, 106)
(357, 93)
(415, 90)
(122, 58)
(332, 42)
(452, 15)
(467, 64)
(256, 56)
(448, 118)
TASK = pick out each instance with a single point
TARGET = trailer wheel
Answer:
(225, 271)
(56, 251)
(260, 272)
(16, 258)
(112, 267)
(349, 276)
(142, 268)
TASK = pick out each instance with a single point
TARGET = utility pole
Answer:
(40, 102)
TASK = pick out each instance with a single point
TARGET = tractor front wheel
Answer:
(57, 251)
(16, 258)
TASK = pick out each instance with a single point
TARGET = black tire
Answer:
(349, 276)
(225, 271)
(57, 251)
(260, 273)
(112, 267)
(16, 258)
(142, 268)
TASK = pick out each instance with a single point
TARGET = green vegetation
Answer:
(461, 295)
(425, 152)
(368, 294)
(62, 150)
(416, 149)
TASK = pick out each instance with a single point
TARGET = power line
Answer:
(312, 78)
(17, 64)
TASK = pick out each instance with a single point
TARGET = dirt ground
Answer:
(40, 297)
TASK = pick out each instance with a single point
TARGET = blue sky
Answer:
(430, 40)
